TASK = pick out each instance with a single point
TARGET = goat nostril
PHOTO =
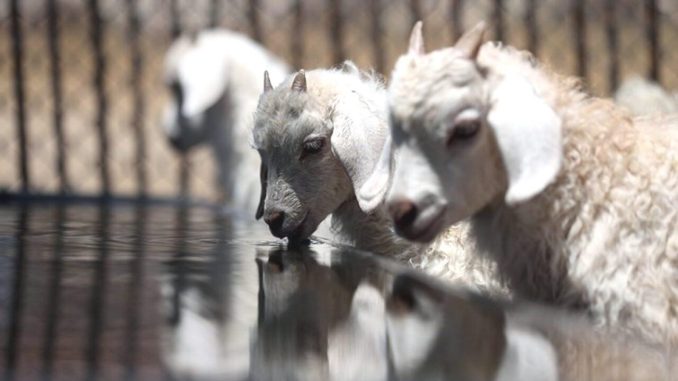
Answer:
(404, 213)
(275, 219)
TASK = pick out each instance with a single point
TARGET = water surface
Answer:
(124, 292)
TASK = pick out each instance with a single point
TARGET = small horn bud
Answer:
(267, 82)
(472, 40)
(417, 40)
(299, 82)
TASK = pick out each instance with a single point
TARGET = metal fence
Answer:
(81, 91)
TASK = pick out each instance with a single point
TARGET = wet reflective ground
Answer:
(125, 292)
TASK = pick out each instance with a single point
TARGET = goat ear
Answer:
(469, 43)
(203, 77)
(357, 137)
(528, 134)
(373, 191)
(263, 179)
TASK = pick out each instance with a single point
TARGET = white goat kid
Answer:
(215, 77)
(574, 200)
(319, 135)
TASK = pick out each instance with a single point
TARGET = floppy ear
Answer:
(528, 133)
(263, 179)
(358, 135)
(373, 191)
(202, 73)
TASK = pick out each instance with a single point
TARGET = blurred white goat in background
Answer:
(644, 97)
(215, 78)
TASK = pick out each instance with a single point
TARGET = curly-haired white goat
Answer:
(320, 135)
(215, 78)
(576, 201)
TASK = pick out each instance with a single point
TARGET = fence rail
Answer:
(102, 137)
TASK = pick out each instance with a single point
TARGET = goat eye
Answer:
(312, 146)
(463, 130)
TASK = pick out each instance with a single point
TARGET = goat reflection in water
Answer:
(319, 322)
(309, 313)
(329, 314)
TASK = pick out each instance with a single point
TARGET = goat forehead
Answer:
(277, 116)
(281, 104)
(284, 136)
(418, 82)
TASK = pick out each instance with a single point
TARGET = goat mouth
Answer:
(299, 234)
(426, 229)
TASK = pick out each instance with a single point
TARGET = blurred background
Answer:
(81, 81)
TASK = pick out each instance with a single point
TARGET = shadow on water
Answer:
(94, 292)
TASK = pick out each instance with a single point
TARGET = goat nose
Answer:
(275, 222)
(403, 212)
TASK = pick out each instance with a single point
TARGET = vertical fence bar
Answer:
(415, 11)
(57, 103)
(19, 93)
(652, 19)
(99, 82)
(214, 13)
(138, 99)
(336, 31)
(612, 38)
(253, 17)
(184, 163)
(175, 19)
(14, 335)
(457, 18)
(297, 38)
(98, 300)
(377, 31)
(498, 19)
(579, 26)
(54, 298)
(532, 28)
